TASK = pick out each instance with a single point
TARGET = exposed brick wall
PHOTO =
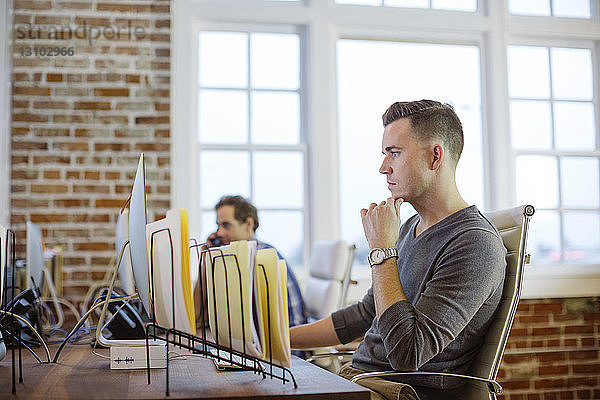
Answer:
(553, 351)
(79, 123)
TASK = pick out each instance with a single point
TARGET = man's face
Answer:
(230, 229)
(405, 164)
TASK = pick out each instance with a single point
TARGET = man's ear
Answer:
(250, 222)
(437, 152)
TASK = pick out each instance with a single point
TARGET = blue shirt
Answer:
(296, 313)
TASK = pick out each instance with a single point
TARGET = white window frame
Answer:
(491, 27)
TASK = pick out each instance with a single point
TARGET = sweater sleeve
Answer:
(353, 321)
(467, 272)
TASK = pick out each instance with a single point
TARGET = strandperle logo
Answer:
(91, 33)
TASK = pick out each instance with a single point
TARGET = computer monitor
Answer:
(137, 235)
(122, 234)
(34, 270)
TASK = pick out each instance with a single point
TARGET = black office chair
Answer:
(513, 224)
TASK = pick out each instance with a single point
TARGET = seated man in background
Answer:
(237, 219)
(437, 279)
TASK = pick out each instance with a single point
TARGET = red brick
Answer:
(92, 105)
(112, 147)
(31, 91)
(123, 7)
(49, 218)
(549, 383)
(579, 329)
(54, 77)
(591, 316)
(586, 368)
(583, 355)
(151, 120)
(68, 203)
(72, 146)
(545, 331)
(553, 370)
(583, 381)
(112, 92)
(52, 105)
(516, 384)
(26, 117)
(151, 147)
(32, 5)
(91, 246)
(42, 188)
(91, 188)
(51, 174)
(18, 145)
(552, 356)
(130, 78)
(109, 203)
(91, 175)
(91, 21)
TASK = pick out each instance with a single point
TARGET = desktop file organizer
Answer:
(224, 352)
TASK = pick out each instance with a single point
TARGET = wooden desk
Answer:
(83, 375)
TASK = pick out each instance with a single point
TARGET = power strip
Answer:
(134, 357)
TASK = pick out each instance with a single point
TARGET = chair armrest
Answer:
(493, 386)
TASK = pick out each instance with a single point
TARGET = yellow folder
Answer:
(168, 256)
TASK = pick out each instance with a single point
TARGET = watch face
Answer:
(376, 256)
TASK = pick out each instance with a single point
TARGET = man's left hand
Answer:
(381, 223)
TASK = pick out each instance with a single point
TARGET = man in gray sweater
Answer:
(436, 279)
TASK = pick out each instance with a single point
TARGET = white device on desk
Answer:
(123, 351)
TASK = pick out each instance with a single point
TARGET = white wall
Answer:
(5, 101)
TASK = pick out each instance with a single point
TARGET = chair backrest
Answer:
(329, 276)
(513, 224)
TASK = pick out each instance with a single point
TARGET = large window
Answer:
(553, 133)
(250, 131)
(287, 101)
(400, 71)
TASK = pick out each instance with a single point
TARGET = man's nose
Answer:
(220, 231)
(385, 167)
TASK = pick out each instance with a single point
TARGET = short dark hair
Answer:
(242, 208)
(430, 119)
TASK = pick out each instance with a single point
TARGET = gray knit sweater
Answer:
(452, 275)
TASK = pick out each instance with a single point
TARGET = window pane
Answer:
(574, 126)
(223, 59)
(407, 3)
(208, 224)
(275, 118)
(215, 120)
(459, 5)
(360, 2)
(572, 74)
(582, 236)
(544, 241)
(275, 61)
(528, 73)
(278, 179)
(221, 173)
(579, 181)
(412, 71)
(529, 7)
(537, 181)
(572, 8)
(530, 124)
(284, 230)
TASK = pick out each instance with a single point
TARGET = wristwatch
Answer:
(377, 255)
